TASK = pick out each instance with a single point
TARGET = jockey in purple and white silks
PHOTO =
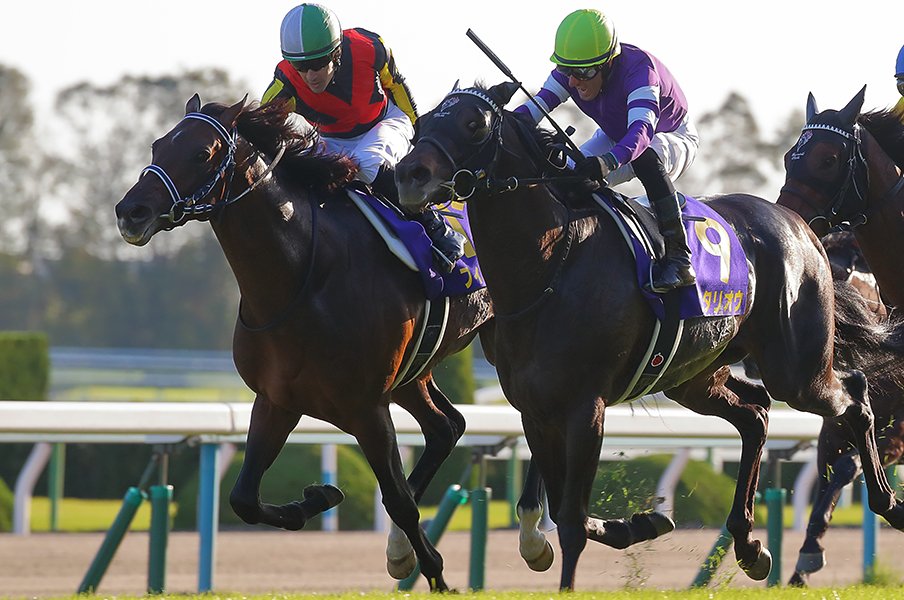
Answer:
(642, 115)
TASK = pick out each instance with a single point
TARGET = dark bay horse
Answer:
(845, 171)
(327, 317)
(571, 325)
(843, 174)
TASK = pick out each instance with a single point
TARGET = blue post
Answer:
(208, 514)
(870, 533)
(328, 473)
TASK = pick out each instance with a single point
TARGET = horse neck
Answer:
(267, 248)
(518, 236)
(882, 236)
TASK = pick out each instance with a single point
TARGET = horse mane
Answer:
(268, 128)
(876, 348)
(888, 129)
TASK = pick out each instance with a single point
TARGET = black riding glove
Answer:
(595, 168)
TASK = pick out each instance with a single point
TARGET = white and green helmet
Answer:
(309, 31)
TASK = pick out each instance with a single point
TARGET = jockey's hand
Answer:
(594, 168)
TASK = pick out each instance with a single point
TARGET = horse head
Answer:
(455, 140)
(190, 172)
(826, 175)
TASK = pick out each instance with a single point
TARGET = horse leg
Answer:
(583, 441)
(535, 549)
(267, 434)
(375, 433)
(746, 406)
(442, 425)
(843, 471)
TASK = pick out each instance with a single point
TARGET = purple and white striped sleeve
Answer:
(552, 94)
(643, 117)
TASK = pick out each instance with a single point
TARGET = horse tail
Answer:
(863, 342)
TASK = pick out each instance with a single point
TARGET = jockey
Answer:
(644, 130)
(345, 84)
(899, 76)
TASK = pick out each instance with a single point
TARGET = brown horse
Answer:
(845, 171)
(571, 325)
(328, 316)
(843, 175)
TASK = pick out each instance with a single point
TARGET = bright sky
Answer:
(772, 51)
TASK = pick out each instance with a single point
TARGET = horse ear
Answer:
(231, 114)
(503, 92)
(455, 87)
(850, 112)
(193, 104)
(811, 107)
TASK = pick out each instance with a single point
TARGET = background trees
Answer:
(65, 270)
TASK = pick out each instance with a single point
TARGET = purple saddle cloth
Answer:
(716, 254)
(464, 278)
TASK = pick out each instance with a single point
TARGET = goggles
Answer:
(311, 65)
(582, 73)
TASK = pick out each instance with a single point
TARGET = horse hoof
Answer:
(895, 516)
(321, 498)
(542, 561)
(798, 580)
(401, 568)
(660, 523)
(760, 569)
(810, 562)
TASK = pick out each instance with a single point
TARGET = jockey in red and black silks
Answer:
(356, 98)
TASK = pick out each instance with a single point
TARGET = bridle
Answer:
(185, 207)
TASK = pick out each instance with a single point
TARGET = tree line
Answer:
(65, 270)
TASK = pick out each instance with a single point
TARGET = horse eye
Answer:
(203, 155)
(829, 161)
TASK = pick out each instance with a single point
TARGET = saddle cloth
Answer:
(408, 240)
(716, 254)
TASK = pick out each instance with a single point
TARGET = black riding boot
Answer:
(448, 244)
(673, 270)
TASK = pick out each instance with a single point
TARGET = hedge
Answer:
(6, 507)
(296, 467)
(24, 365)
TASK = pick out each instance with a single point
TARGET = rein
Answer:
(466, 182)
(184, 207)
(855, 161)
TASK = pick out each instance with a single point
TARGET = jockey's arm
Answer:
(279, 88)
(552, 94)
(393, 82)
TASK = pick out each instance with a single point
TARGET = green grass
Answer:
(97, 515)
(860, 592)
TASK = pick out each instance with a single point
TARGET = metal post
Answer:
(480, 502)
(870, 536)
(714, 558)
(455, 497)
(130, 503)
(328, 469)
(55, 479)
(514, 483)
(161, 496)
(775, 502)
(208, 514)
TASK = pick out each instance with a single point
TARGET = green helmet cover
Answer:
(585, 38)
(309, 31)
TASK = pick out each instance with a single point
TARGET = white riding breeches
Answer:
(384, 144)
(677, 150)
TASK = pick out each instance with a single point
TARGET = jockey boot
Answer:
(673, 270)
(448, 244)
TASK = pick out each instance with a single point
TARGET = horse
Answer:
(572, 324)
(845, 171)
(327, 318)
(842, 176)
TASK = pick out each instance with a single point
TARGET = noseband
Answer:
(184, 207)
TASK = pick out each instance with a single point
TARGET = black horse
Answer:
(571, 324)
(328, 317)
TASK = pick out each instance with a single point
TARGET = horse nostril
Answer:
(420, 174)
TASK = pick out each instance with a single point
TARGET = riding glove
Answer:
(596, 168)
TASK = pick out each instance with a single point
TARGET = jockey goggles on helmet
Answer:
(582, 73)
(312, 65)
